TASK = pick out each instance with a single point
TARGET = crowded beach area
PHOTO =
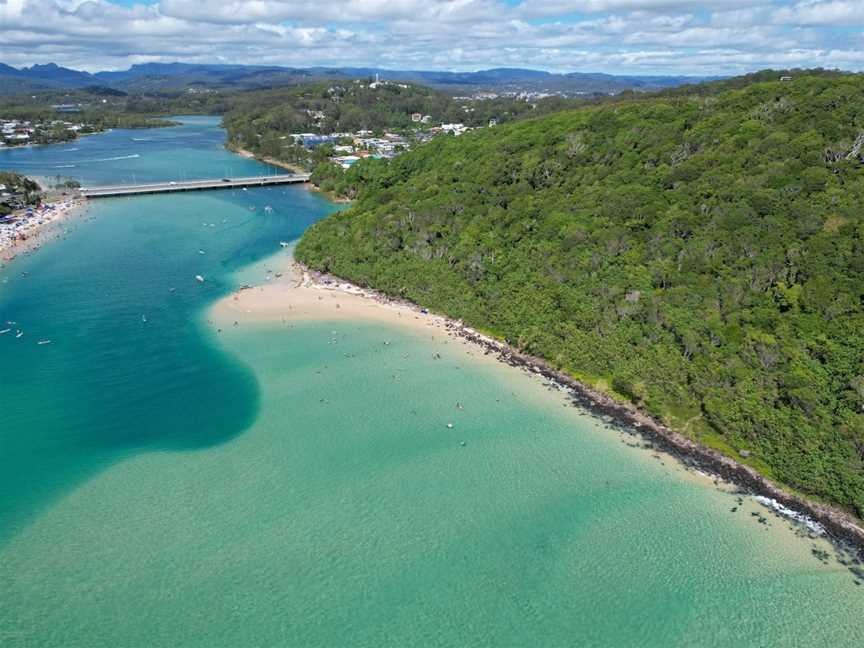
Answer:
(26, 229)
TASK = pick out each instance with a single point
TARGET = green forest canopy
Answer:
(700, 255)
(260, 121)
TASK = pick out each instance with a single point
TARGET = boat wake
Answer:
(112, 159)
(69, 165)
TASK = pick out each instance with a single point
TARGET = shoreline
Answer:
(329, 195)
(294, 168)
(38, 232)
(294, 292)
(14, 147)
(249, 155)
(72, 141)
(168, 123)
(291, 292)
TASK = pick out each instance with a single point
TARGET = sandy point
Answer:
(292, 293)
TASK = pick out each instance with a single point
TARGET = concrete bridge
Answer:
(193, 185)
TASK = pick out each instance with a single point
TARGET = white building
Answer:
(456, 129)
(345, 161)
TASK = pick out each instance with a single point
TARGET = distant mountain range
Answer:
(153, 77)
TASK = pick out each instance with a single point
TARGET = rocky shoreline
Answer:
(839, 527)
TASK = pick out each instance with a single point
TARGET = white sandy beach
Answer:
(30, 233)
(289, 293)
(249, 155)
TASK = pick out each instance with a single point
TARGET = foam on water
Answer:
(163, 483)
(114, 159)
(786, 512)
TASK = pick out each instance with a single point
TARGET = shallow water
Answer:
(163, 483)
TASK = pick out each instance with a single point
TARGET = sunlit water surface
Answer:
(165, 484)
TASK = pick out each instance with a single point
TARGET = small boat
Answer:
(283, 243)
(19, 334)
(201, 252)
(268, 209)
(199, 278)
(143, 318)
(41, 342)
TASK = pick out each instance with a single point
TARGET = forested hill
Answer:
(329, 107)
(702, 256)
(259, 120)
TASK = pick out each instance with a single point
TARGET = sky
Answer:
(613, 36)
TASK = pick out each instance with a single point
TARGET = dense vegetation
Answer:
(260, 121)
(332, 107)
(18, 191)
(103, 108)
(700, 255)
(50, 127)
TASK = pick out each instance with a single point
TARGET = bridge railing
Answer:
(192, 185)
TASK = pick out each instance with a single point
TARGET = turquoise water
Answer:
(163, 483)
(126, 156)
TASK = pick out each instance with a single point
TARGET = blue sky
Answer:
(614, 36)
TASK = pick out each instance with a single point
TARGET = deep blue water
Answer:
(163, 483)
(130, 365)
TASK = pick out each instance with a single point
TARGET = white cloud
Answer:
(840, 13)
(276, 11)
(648, 36)
(559, 7)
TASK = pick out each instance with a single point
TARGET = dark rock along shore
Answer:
(841, 528)
(839, 525)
